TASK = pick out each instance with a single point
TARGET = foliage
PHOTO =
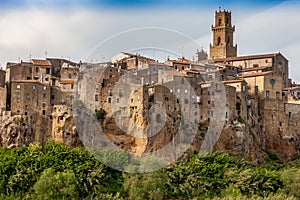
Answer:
(60, 185)
(55, 171)
(100, 114)
(146, 186)
(241, 120)
(291, 181)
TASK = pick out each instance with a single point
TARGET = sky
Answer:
(94, 30)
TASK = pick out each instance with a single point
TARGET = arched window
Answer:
(220, 22)
(219, 41)
(228, 40)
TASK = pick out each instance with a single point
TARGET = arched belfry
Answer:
(223, 30)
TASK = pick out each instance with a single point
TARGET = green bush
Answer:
(60, 185)
(100, 114)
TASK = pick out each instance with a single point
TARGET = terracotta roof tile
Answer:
(67, 81)
(233, 81)
(42, 63)
(251, 57)
(253, 69)
(254, 74)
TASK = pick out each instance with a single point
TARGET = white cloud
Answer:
(74, 32)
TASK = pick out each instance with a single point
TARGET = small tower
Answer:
(201, 55)
(222, 46)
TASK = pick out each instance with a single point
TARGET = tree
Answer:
(56, 185)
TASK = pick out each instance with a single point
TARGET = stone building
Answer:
(223, 30)
(30, 97)
(2, 78)
(241, 96)
(41, 70)
(19, 71)
(276, 63)
(130, 61)
(65, 93)
(2, 91)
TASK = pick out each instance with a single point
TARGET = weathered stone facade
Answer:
(223, 30)
(30, 97)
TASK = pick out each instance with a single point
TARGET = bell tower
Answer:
(223, 30)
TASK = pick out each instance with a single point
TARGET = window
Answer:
(109, 100)
(255, 65)
(37, 70)
(44, 88)
(52, 97)
(44, 95)
(69, 75)
(185, 91)
(33, 87)
(219, 41)
(96, 97)
(44, 104)
(64, 86)
(44, 112)
(186, 101)
(120, 93)
(220, 22)
(182, 79)
(18, 86)
(27, 96)
(110, 92)
(47, 71)
(290, 114)
(267, 93)
(18, 96)
(26, 107)
(277, 95)
(72, 86)
(178, 90)
(158, 118)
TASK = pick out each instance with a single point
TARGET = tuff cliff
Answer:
(21, 130)
(239, 138)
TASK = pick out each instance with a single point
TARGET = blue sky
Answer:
(71, 29)
(135, 3)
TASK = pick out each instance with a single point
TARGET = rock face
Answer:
(21, 130)
(240, 139)
(63, 126)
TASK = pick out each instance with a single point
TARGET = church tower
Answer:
(222, 46)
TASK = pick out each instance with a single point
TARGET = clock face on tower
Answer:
(272, 81)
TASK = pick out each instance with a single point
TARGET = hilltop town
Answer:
(254, 95)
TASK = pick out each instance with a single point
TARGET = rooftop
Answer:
(251, 57)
